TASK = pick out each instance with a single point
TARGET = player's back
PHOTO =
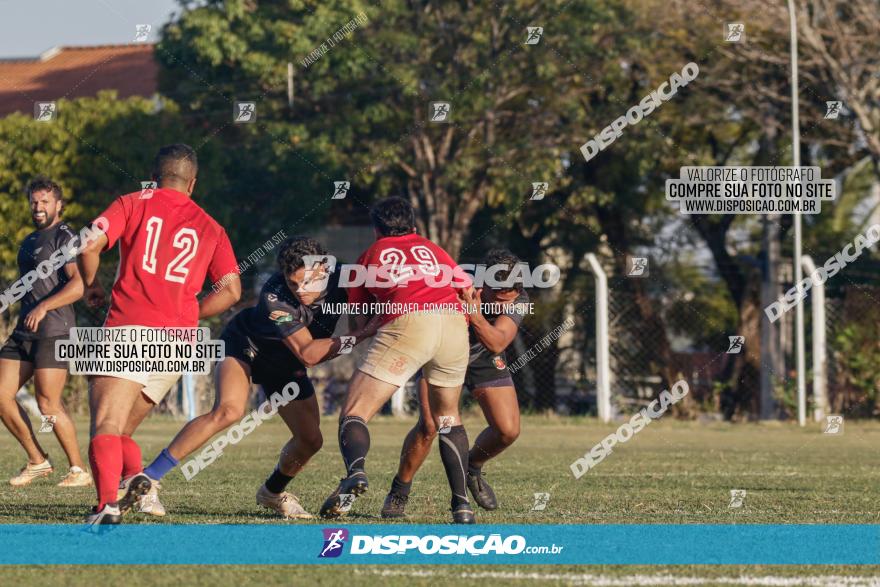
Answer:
(407, 259)
(167, 246)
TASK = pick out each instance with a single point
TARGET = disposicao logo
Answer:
(334, 540)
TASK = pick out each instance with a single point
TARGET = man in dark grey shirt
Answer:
(46, 315)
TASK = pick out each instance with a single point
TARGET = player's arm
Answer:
(104, 232)
(223, 269)
(311, 351)
(220, 300)
(359, 297)
(495, 337)
(88, 260)
(71, 292)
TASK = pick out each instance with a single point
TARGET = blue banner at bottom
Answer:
(646, 544)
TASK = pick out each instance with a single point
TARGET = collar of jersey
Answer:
(409, 235)
(171, 192)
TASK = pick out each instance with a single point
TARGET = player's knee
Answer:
(8, 405)
(427, 428)
(48, 407)
(508, 432)
(226, 415)
(311, 443)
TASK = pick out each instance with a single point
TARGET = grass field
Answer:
(672, 472)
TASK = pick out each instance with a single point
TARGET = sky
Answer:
(29, 27)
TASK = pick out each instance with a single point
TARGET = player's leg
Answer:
(366, 396)
(13, 374)
(110, 402)
(445, 374)
(453, 447)
(49, 384)
(154, 392)
(501, 409)
(303, 418)
(415, 450)
(396, 352)
(233, 383)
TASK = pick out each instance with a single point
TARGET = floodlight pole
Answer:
(800, 350)
(603, 370)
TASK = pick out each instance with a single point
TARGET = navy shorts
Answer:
(488, 370)
(273, 368)
(40, 352)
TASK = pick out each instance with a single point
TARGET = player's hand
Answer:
(95, 296)
(33, 319)
(471, 298)
(371, 327)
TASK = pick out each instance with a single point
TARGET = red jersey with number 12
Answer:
(399, 256)
(167, 245)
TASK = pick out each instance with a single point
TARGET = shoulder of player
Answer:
(65, 232)
(275, 291)
(215, 227)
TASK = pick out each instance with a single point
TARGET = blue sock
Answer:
(160, 467)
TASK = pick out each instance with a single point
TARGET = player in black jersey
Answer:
(46, 316)
(272, 344)
(489, 381)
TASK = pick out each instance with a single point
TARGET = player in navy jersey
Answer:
(489, 381)
(46, 315)
(272, 344)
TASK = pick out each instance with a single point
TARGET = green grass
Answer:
(672, 472)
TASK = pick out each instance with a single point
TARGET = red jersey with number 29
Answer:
(167, 245)
(403, 257)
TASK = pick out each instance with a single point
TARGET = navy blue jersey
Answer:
(36, 248)
(278, 314)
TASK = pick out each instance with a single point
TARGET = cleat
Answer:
(76, 477)
(395, 505)
(284, 503)
(342, 498)
(149, 502)
(482, 492)
(132, 489)
(30, 472)
(463, 514)
(107, 515)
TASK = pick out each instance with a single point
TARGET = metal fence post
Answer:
(397, 405)
(603, 371)
(820, 359)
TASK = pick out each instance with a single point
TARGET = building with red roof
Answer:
(75, 72)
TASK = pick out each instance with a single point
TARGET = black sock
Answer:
(277, 481)
(454, 454)
(399, 487)
(474, 470)
(354, 443)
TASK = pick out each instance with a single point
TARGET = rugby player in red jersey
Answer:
(421, 336)
(489, 380)
(167, 246)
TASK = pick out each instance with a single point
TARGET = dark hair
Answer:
(504, 257)
(393, 216)
(41, 183)
(290, 255)
(175, 161)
